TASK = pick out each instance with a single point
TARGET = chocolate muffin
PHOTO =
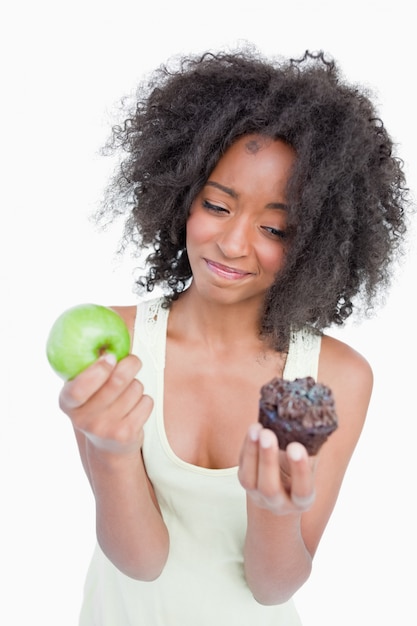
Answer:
(299, 410)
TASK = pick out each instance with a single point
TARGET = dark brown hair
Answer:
(346, 195)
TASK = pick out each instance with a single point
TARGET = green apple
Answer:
(81, 334)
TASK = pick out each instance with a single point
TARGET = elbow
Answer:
(277, 596)
(281, 591)
(145, 572)
(144, 575)
(144, 567)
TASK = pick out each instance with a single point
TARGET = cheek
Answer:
(197, 228)
(272, 258)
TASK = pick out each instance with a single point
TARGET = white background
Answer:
(64, 67)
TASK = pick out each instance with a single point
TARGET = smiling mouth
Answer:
(231, 273)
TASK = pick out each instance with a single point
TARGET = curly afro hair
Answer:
(346, 195)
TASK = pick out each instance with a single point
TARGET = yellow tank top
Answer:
(204, 509)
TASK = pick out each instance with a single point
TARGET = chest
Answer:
(209, 404)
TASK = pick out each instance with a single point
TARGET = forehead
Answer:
(256, 158)
(254, 145)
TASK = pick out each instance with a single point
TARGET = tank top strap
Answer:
(150, 329)
(303, 354)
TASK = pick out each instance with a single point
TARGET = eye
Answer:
(214, 207)
(276, 233)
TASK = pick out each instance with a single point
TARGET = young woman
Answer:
(273, 206)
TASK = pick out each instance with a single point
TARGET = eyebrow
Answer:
(228, 190)
(232, 193)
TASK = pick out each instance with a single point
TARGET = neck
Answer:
(216, 324)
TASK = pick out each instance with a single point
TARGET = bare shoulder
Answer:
(128, 314)
(349, 376)
(341, 362)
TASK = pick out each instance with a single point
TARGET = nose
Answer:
(235, 238)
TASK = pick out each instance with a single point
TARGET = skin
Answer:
(236, 243)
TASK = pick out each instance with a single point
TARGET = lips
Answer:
(230, 273)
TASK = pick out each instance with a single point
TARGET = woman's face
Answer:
(236, 230)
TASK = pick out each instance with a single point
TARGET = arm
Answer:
(290, 497)
(108, 409)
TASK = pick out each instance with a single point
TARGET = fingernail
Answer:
(295, 451)
(254, 432)
(110, 358)
(266, 438)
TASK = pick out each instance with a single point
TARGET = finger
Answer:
(136, 419)
(101, 389)
(77, 391)
(111, 415)
(302, 479)
(248, 462)
(127, 430)
(121, 377)
(140, 412)
(269, 483)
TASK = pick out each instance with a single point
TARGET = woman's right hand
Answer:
(108, 409)
(107, 404)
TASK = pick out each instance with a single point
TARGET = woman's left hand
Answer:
(279, 481)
